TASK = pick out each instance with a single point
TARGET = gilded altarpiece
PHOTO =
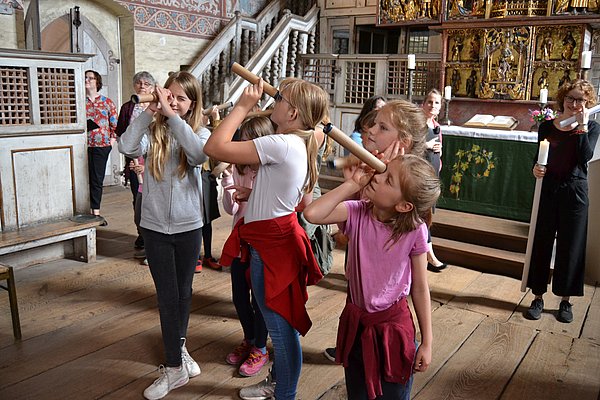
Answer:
(511, 63)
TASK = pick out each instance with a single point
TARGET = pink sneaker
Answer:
(255, 361)
(239, 354)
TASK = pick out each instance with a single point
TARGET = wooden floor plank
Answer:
(451, 328)
(483, 365)
(591, 327)
(444, 285)
(492, 295)
(569, 367)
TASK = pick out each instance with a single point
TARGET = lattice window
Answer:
(58, 99)
(15, 108)
(426, 77)
(320, 72)
(397, 78)
(360, 81)
(418, 42)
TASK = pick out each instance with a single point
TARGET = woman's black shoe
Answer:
(433, 268)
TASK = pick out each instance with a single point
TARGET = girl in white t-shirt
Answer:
(387, 261)
(281, 259)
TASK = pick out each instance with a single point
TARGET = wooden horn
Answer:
(219, 107)
(144, 98)
(336, 134)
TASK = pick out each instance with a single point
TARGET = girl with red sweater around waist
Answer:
(387, 261)
(281, 259)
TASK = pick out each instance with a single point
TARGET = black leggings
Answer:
(172, 261)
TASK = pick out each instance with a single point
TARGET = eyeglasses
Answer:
(573, 100)
(278, 97)
(90, 78)
(143, 84)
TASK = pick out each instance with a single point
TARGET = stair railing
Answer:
(236, 42)
(276, 57)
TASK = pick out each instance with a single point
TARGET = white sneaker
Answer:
(261, 391)
(192, 367)
(169, 379)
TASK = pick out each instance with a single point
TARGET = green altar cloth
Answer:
(488, 172)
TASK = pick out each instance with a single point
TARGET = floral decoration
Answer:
(545, 114)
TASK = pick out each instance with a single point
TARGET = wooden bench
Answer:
(82, 234)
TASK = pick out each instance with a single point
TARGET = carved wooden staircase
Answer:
(267, 45)
(473, 241)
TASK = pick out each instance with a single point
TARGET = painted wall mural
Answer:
(193, 18)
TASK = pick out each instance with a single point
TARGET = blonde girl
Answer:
(387, 261)
(170, 132)
(281, 259)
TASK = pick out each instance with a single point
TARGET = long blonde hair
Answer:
(160, 140)
(420, 187)
(311, 103)
(411, 123)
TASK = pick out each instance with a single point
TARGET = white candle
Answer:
(543, 152)
(543, 96)
(586, 59)
(448, 92)
(411, 61)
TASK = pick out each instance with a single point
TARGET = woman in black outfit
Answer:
(563, 208)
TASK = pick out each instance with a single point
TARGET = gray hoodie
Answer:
(172, 205)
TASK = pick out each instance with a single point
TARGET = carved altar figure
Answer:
(543, 80)
(457, 9)
(410, 10)
(579, 6)
(426, 9)
(503, 69)
(456, 81)
(457, 48)
(566, 78)
(569, 44)
(547, 46)
(475, 46)
(561, 6)
(471, 84)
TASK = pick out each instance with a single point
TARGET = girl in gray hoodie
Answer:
(171, 135)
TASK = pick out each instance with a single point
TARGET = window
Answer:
(341, 41)
(418, 42)
(377, 41)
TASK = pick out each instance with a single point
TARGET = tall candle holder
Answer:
(446, 119)
(411, 75)
(536, 123)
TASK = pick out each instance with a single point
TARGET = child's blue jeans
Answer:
(286, 341)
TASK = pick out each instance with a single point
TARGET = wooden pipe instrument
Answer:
(336, 134)
(152, 98)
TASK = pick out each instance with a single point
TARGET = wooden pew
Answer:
(82, 234)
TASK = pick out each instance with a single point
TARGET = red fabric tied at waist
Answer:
(289, 264)
(387, 341)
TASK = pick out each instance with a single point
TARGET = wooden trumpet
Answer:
(152, 98)
(336, 134)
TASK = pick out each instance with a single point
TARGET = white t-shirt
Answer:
(280, 179)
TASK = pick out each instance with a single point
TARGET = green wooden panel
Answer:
(488, 176)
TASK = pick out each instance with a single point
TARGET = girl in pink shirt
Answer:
(387, 261)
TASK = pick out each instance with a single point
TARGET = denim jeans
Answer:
(172, 261)
(251, 319)
(286, 340)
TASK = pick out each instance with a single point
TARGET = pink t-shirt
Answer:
(379, 274)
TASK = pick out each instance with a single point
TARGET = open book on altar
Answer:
(489, 121)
